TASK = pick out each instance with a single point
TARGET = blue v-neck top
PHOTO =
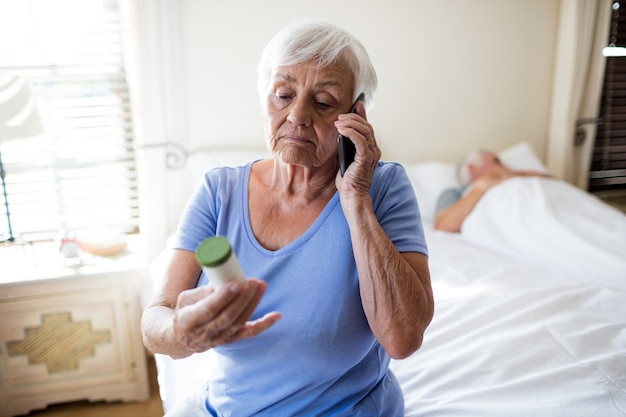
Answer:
(321, 357)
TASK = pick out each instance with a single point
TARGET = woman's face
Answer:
(303, 104)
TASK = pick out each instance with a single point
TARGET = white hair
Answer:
(475, 158)
(321, 41)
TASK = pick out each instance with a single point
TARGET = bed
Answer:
(530, 303)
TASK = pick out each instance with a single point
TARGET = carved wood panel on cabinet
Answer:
(71, 338)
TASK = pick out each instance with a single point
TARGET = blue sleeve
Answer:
(397, 209)
(209, 201)
(447, 198)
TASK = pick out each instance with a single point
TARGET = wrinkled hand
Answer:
(358, 176)
(205, 317)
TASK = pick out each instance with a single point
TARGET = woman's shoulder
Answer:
(222, 178)
(390, 177)
(225, 170)
(228, 172)
(389, 171)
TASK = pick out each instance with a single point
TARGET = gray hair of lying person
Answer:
(475, 158)
(320, 41)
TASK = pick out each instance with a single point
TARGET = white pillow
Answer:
(522, 157)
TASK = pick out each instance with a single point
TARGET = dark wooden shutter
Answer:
(608, 166)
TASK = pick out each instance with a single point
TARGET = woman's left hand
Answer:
(358, 177)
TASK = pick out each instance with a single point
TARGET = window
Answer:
(608, 166)
(81, 173)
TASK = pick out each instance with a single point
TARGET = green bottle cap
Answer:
(213, 251)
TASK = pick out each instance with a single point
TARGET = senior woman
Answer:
(341, 280)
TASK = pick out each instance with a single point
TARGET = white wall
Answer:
(453, 74)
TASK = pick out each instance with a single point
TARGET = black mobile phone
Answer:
(347, 150)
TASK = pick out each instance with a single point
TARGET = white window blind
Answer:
(81, 172)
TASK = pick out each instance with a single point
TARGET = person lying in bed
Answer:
(478, 172)
(338, 273)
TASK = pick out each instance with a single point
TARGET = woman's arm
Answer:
(182, 319)
(395, 287)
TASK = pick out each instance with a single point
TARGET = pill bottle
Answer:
(218, 261)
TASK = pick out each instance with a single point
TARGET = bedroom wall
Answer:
(453, 75)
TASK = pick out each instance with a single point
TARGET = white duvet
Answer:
(551, 223)
(530, 313)
(511, 339)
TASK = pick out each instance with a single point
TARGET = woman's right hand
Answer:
(205, 317)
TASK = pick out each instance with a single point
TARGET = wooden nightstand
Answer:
(69, 333)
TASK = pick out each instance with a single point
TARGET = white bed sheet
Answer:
(514, 340)
(553, 224)
(508, 338)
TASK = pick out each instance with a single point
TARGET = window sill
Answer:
(43, 261)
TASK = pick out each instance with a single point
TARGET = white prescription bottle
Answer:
(218, 261)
